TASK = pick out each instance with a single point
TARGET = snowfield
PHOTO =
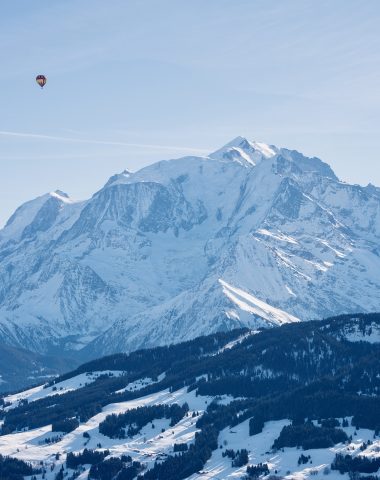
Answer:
(153, 444)
(58, 388)
(370, 334)
(282, 462)
(147, 446)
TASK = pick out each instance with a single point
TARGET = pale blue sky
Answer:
(128, 76)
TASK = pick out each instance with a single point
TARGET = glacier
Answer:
(250, 235)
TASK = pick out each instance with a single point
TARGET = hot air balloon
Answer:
(41, 80)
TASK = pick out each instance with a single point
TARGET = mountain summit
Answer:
(251, 235)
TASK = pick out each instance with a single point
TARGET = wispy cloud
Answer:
(38, 136)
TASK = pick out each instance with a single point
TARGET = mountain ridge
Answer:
(143, 261)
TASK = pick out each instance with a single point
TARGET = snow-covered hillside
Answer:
(60, 388)
(153, 444)
(221, 382)
(252, 235)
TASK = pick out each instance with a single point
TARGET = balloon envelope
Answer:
(41, 80)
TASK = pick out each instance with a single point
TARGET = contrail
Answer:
(38, 136)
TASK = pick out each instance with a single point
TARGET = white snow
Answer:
(278, 236)
(249, 303)
(284, 462)
(58, 388)
(140, 383)
(370, 333)
(151, 444)
(155, 243)
(238, 340)
(147, 446)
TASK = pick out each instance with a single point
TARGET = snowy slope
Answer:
(285, 463)
(59, 388)
(320, 347)
(151, 445)
(251, 235)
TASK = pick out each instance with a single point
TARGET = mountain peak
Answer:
(118, 177)
(42, 209)
(242, 142)
(288, 240)
(59, 195)
(250, 153)
(245, 152)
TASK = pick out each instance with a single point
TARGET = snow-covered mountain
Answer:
(250, 235)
